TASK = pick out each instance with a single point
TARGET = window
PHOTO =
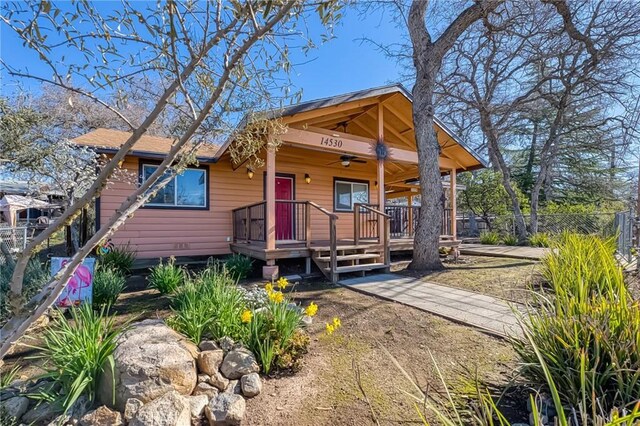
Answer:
(187, 190)
(346, 193)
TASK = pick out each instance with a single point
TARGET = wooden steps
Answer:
(359, 256)
(350, 258)
(358, 268)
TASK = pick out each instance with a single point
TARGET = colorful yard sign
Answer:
(79, 289)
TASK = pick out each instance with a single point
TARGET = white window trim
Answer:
(175, 204)
(350, 183)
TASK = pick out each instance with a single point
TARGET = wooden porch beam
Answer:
(381, 194)
(270, 220)
(453, 203)
(308, 115)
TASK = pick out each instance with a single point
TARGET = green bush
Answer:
(210, 305)
(490, 238)
(76, 352)
(167, 277)
(239, 266)
(108, 283)
(540, 239)
(586, 335)
(120, 258)
(36, 276)
(510, 240)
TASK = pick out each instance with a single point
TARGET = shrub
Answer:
(540, 239)
(120, 258)
(510, 240)
(239, 266)
(585, 337)
(491, 238)
(107, 285)
(76, 352)
(35, 276)
(166, 277)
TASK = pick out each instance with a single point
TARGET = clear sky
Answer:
(342, 64)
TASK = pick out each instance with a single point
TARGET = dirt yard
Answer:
(348, 378)
(509, 279)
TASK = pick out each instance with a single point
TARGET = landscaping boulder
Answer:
(209, 361)
(102, 416)
(227, 344)
(150, 360)
(197, 403)
(171, 409)
(41, 413)
(234, 387)
(226, 409)
(237, 363)
(251, 385)
(203, 378)
(208, 345)
(131, 408)
(15, 407)
(205, 389)
(218, 380)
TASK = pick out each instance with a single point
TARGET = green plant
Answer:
(108, 283)
(491, 238)
(8, 377)
(166, 277)
(35, 276)
(585, 336)
(290, 356)
(239, 266)
(510, 240)
(76, 352)
(211, 305)
(540, 239)
(120, 258)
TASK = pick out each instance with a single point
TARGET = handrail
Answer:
(333, 237)
(322, 209)
(384, 234)
(370, 208)
(248, 206)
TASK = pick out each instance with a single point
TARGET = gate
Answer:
(623, 222)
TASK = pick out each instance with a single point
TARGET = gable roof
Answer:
(398, 111)
(109, 141)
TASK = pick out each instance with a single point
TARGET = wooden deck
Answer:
(298, 249)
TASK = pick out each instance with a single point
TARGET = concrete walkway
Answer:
(487, 313)
(516, 252)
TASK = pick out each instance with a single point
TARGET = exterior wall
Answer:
(181, 232)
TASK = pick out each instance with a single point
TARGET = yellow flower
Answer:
(330, 329)
(311, 310)
(282, 283)
(246, 316)
(268, 287)
(336, 322)
(276, 296)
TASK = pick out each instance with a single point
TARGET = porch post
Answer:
(452, 181)
(270, 271)
(410, 214)
(381, 194)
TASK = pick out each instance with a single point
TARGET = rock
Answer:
(203, 378)
(131, 407)
(234, 387)
(227, 344)
(15, 407)
(251, 385)
(209, 361)
(150, 360)
(102, 416)
(226, 409)
(77, 410)
(237, 363)
(171, 409)
(42, 413)
(205, 389)
(197, 403)
(219, 381)
(307, 320)
(208, 345)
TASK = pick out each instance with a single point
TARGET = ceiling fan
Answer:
(346, 160)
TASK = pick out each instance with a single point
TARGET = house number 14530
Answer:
(335, 143)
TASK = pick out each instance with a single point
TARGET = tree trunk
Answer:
(427, 235)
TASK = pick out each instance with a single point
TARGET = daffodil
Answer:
(311, 310)
(282, 283)
(268, 287)
(276, 296)
(330, 329)
(246, 316)
(336, 322)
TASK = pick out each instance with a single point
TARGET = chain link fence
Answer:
(582, 223)
(13, 240)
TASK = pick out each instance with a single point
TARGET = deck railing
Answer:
(366, 227)
(404, 220)
(249, 222)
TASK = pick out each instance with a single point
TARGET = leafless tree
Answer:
(210, 59)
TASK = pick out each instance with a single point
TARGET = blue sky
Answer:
(342, 64)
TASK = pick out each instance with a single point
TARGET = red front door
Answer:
(284, 211)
